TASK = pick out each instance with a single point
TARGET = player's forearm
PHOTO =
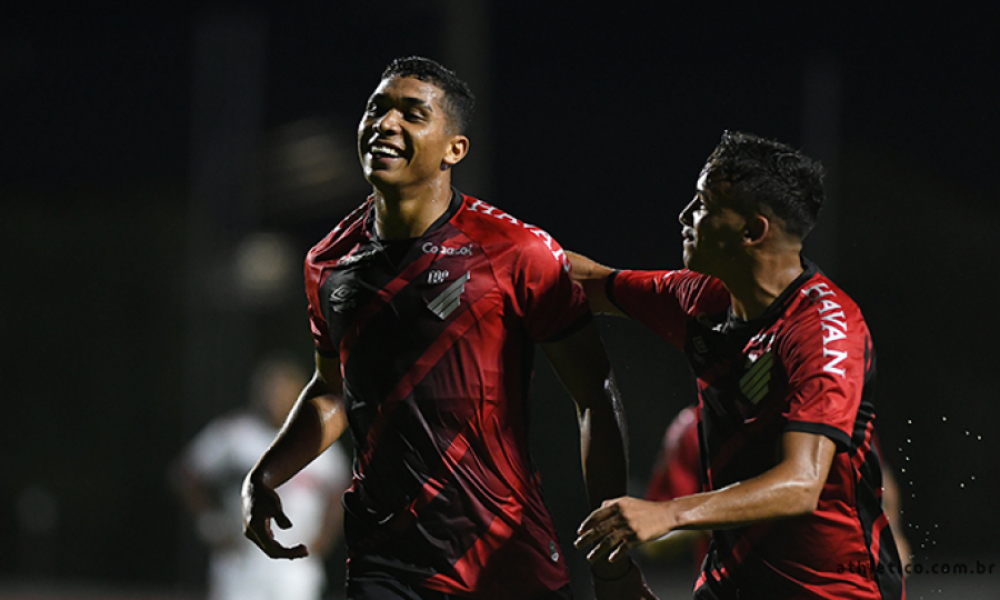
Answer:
(585, 269)
(604, 446)
(776, 494)
(584, 369)
(592, 276)
(316, 421)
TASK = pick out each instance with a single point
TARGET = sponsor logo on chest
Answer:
(443, 250)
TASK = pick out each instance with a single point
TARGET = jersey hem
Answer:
(840, 438)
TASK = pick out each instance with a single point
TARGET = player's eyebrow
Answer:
(409, 101)
(417, 103)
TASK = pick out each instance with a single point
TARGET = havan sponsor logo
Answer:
(557, 252)
(834, 324)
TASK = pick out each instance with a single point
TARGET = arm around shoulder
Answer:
(593, 277)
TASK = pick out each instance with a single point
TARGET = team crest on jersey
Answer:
(755, 383)
(450, 299)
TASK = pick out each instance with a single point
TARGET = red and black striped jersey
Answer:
(435, 338)
(807, 364)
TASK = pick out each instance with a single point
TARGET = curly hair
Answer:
(458, 99)
(766, 173)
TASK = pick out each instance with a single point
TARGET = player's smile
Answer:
(384, 152)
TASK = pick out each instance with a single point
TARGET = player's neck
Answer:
(404, 213)
(768, 277)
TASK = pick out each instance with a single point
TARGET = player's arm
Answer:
(891, 508)
(583, 367)
(593, 277)
(790, 489)
(584, 370)
(314, 423)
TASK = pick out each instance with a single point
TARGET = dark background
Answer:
(146, 153)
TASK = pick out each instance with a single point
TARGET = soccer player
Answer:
(784, 365)
(425, 306)
(207, 477)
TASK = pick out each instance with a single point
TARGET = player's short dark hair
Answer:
(772, 174)
(458, 99)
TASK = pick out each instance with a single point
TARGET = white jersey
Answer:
(220, 456)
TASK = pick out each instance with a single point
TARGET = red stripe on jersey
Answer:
(499, 531)
(470, 564)
(860, 456)
(743, 547)
(378, 301)
(877, 527)
(427, 361)
(733, 445)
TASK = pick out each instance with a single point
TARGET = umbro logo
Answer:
(342, 298)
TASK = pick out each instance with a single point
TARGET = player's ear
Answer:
(756, 228)
(458, 147)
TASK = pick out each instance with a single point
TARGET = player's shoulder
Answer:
(491, 226)
(822, 315)
(341, 238)
(819, 295)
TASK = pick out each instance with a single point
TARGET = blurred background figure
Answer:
(676, 473)
(207, 477)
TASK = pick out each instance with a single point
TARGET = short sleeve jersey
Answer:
(807, 364)
(435, 338)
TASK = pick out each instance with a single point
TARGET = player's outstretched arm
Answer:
(593, 277)
(790, 489)
(584, 369)
(314, 423)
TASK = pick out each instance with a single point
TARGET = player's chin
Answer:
(379, 177)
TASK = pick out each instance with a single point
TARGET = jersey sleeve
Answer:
(827, 360)
(552, 305)
(664, 301)
(317, 322)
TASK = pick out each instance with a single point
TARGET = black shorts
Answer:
(379, 586)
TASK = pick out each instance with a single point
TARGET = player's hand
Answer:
(630, 586)
(620, 524)
(260, 505)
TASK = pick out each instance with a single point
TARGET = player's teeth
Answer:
(385, 150)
